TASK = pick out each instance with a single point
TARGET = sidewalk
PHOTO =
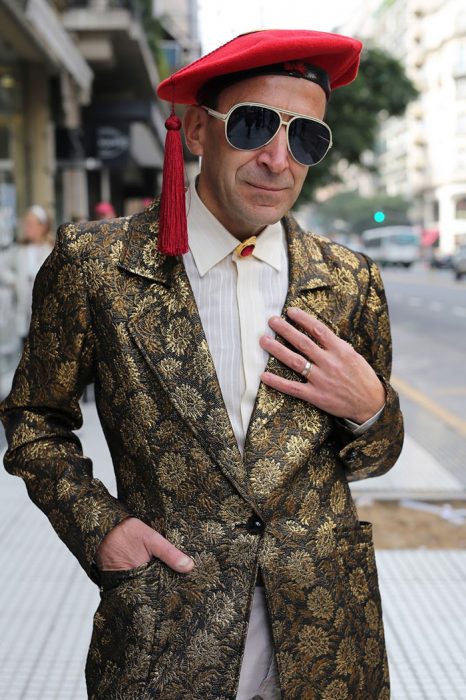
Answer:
(47, 601)
(417, 474)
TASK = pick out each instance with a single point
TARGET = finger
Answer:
(322, 333)
(299, 390)
(164, 550)
(304, 345)
(291, 359)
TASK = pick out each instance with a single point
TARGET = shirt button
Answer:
(254, 525)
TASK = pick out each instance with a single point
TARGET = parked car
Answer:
(459, 262)
(440, 261)
(392, 245)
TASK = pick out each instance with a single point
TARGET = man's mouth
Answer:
(266, 188)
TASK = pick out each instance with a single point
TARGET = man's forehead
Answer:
(274, 91)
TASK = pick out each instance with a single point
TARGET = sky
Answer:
(221, 20)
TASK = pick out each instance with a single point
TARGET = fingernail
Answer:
(185, 563)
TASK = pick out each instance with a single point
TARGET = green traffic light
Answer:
(379, 217)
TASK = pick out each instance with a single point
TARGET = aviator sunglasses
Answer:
(250, 125)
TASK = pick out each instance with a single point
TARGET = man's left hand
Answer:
(340, 381)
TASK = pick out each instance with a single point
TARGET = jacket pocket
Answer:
(356, 557)
(109, 580)
(124, 639)
(362, 647)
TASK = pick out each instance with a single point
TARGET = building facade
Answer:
(80, 122)
(38, 59)
(179, 22)
(422, 155)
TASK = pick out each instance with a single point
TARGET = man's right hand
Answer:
(133, 543)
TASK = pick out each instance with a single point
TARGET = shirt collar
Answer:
(210, 242)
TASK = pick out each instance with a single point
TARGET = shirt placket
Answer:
(251, 318)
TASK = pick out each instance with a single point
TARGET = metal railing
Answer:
(131, 5)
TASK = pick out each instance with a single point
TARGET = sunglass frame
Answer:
(294, 115)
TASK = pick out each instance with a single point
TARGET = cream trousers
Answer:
(259, 676)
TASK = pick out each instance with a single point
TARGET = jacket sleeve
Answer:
(377, 449)
(42, 409)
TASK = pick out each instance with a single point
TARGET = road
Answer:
(428, 313)
(428, 317)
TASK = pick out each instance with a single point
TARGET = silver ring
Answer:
(307, 369)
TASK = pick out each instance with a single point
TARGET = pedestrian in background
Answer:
(25, 259)
(241, 383)
(104, 210)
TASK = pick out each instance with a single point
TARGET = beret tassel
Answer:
(173, 227)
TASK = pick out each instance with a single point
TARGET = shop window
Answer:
(4, 143)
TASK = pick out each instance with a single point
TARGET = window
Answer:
(461, 124)
(461, 208)
(460, 63)
(461, 87)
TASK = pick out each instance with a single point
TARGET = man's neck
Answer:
(240, 234)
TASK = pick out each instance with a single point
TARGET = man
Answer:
(240, 386)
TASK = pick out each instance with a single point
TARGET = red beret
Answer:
(336, 54)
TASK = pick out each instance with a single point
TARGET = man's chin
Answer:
(266, 214)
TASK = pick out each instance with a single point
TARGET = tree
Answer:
(155, 33)
(354, 112)
(350, 213)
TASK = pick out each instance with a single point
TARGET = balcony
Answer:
(111, 37)
(100, 5)
(34, 28)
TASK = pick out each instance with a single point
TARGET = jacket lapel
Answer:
(168, 331)
(310, 288)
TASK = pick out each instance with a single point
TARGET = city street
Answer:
(48, 603)
(428, 316)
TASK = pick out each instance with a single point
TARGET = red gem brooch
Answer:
(246, 247)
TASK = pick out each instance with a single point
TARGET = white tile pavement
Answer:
(47, 602)
(424, 601)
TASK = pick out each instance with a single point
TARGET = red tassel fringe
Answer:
(173, 228)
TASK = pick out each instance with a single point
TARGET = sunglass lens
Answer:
(309, 140)
(251, 127)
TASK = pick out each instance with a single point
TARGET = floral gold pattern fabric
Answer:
(109, 309)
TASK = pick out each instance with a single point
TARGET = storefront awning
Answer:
(144, 147)
(429, 236)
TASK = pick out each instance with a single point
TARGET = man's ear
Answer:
(194, 122)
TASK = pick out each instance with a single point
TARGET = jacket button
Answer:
(254, 525)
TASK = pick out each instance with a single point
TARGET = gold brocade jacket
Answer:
(109, 308)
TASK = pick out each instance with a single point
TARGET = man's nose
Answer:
(275, 155)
